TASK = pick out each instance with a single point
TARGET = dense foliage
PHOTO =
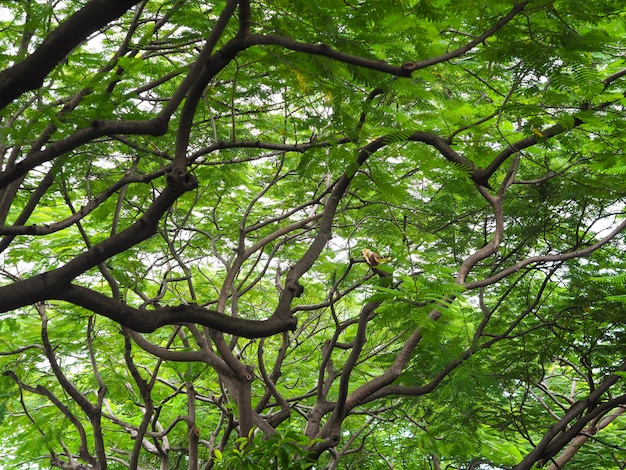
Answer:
(186, 191)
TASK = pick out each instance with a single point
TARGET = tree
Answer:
(186, 191)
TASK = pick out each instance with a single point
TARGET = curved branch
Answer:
(326, 51)
(258, 144)
(357, 347)
(522, 144)
(546, 259)
(146, 321)
(586, 435)
(470, 45)
(403, 70)
(71, 417)
(156, 127)
(52, 283)
(200, 81)
(30, 73)
(573, 422)
(204, 355)
(444, 148)
(21, 350)
(46, 229)
(608, 81)
(270, 385)
(550, 132)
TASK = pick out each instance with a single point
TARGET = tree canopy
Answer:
(337, 234)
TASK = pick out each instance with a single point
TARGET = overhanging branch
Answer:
(146, 321)
(546, 259)
(49, 284)
(30, 73)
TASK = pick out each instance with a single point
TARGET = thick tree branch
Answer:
(50, 284)
(257, 144)
(31, 72)
(326, 51)
(244, 17)
(588, 433)
(155, 127)
(573, 422)
(403, 70)
(443, 146)
(204, 75)
(146, 321)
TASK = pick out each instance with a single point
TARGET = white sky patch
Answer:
(95, 43)
(5, 14)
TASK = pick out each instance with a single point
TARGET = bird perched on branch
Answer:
(372, 259)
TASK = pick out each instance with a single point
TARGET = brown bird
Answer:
(372, 259)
